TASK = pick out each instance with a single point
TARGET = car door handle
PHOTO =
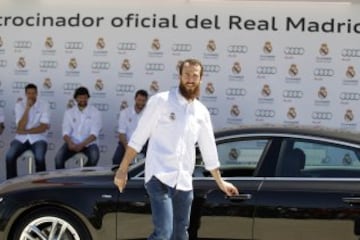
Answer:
(240, 197)
(351, 200)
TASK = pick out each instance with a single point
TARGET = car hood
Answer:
(61, 177)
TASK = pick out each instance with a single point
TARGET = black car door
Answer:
(319, 201)
(221, 217)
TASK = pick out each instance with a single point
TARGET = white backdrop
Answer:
(270, 63)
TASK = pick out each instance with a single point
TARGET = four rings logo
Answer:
(293, 94)
(181, 47)
(126, 46)
(125, 88)
(264, 113)
(322, 115)
(235, 92)
(324, 72)
(102, 107)
(71, 86)
(3, 63)
(100, 65)
(212, 68)
(237, 49)
(22, 44)
(294, 51)
(350, 52)
(350, 96)
(266, 70)
(48, 64)
(19, 85)
(154, 67)
(213, 111)
(74, 45)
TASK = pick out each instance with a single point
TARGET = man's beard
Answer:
(189, 94)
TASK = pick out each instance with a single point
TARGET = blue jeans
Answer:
(17, 148)
(170, 211)
(91, 152)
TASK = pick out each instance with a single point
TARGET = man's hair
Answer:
(192, 62)
(30, 86)
(81, 91)
(142, 93)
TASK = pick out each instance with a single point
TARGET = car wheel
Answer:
(50, 223)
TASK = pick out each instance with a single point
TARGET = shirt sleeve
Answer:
(207, 143)
(146, 124)
(122, 121)
(97, 123)
(66, 126)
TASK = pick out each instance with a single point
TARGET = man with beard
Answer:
(32, 120)
(81, 128)
(174, 121)
(128, 121)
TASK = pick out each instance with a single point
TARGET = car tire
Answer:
(50, 223)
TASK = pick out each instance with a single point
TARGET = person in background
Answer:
(128, 121)
(32, 120)
(80, 129)
(174, 121)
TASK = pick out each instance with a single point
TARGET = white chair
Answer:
(28, 156)
(79, 159)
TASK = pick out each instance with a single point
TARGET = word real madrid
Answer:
(135, 20)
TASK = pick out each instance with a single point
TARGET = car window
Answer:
(240, 157)
(318, 159)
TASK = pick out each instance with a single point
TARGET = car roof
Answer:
(310, 131)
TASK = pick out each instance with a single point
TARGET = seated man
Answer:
(32, 122)
(128, 120)
(81, 127)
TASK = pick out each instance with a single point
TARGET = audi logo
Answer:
(100, 65)
(154, 67)
(126, 46)
(102, 107)
(3, 63)
(294, 51)
(237, 49)
(52, 105)
(19, 85)
(213, 111)
(322, 115)
(74, 45)
(265, 113)
(350, 96)
(212, 68)
(22, 44)
(350, 52)
(125, 88)
(2, 103)
(181, 47)
(235, 92)
(71, 86)
(266, 70)
(293, 94)
(323, 72)
(48, 64)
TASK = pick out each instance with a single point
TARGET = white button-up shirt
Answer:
(79, 125)
(174, 126)
(38, 113)
(128, 121)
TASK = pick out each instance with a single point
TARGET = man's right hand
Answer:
(120, 179)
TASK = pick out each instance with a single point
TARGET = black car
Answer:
(295, 183)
